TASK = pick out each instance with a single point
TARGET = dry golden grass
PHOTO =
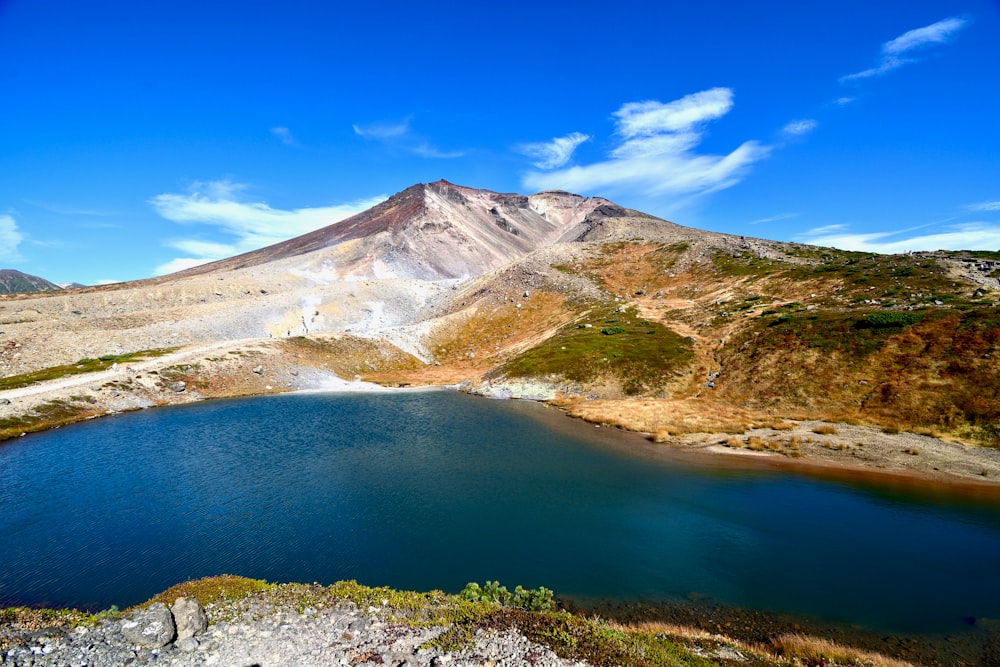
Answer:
(816, 649)
(491, 330)
(825, 429)
(669, 418)
(789, 647)
(664, 418)
(777, 425)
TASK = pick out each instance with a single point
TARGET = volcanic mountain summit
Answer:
(435, 231)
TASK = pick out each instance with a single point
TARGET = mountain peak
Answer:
(13, 281)
(434, 231)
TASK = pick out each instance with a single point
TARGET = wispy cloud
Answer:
(400, 135)
(245, 225)
(382, 131)
(654, 153)
(843, 101)
(552, 154)
(10, 239)
(964, 236)
(424, 149)
(70, 210)
(985, 206)
(896, 52)
(798, 128)
(285, 135)
(774, 218)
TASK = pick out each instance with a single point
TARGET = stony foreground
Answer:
(260, 635)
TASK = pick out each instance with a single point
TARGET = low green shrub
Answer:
(884, 319)
(535, 599)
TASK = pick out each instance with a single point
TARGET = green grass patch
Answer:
(211, 589)
(978, 254)
(884, 319)
(641, 354)
(85, 365)
(45, 416)
(832, 331)
(863, 275)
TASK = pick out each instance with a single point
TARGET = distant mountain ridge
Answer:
(16, 282)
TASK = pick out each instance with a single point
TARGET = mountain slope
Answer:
(16, 282)
(432, 232)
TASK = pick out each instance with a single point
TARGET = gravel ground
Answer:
(262, 635)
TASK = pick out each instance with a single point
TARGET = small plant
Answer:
(611, 331)
(825, 429)
(536, 599)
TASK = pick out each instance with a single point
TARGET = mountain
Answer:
(434, 231)
(15, 282)
(618, 316)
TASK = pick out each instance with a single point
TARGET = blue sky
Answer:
(138, 138)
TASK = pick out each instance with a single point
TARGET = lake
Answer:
(433, 489)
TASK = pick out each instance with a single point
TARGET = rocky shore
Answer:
(249, 633)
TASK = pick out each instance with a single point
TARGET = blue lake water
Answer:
(425, 490)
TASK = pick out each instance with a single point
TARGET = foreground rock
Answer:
(263, 635)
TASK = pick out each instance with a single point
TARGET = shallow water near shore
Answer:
(424, 490)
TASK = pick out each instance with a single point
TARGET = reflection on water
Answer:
(434, 489)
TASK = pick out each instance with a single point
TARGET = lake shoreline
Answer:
(251, 620)
(832, 450)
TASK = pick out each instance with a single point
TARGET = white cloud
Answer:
(248, 225)
(843, 101)
(985, 206)
(10, 238)
(650, 118)
(797, 128)
(182, 263)
(894, 51)
(285, 135)
(936, 33)
(655, 153)
(965, 236)
(555, 153)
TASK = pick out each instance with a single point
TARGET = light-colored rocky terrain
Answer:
(246, 633)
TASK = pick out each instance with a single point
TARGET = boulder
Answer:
(152, 627)
(189, 618)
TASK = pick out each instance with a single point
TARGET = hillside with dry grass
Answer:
(778, 331)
